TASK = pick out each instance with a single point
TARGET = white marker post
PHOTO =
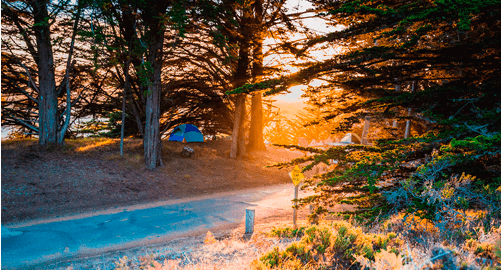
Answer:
(249, 221)
(296, 177)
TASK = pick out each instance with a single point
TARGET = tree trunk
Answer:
(124, 103)
(69, 65)
(256, 141)
(129, 31)
(397, 89)
(151, 139)
(365, 132)
(236, 141)
(408, 123)
(241, 77)
(47, 105)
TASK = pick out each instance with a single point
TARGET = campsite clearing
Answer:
(87, 175)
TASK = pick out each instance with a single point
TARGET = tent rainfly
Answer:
(186, 133)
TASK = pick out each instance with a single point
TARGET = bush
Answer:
(328, 246)
(288, 232)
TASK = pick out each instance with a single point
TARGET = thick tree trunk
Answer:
(241, 77)
(47, 105)
(256, 141)
(128, 29)
(151, 139)
(236, 142)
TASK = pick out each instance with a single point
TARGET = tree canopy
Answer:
(434, 65)
(423, 76)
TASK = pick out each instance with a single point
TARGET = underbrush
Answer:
(397, 243)
(323, 247)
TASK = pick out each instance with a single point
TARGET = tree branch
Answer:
(22, 122)
(69, 65)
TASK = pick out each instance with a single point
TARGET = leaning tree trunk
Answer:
(47, 102)
(151, 139)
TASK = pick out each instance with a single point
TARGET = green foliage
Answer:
(340, 241)
(441, 55)
(114, 125)
(247, 88)
(144, 73)
(177, 17)
(273, 258)
(288, 232)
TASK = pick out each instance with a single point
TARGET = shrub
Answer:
(328, 246)
(288, 232)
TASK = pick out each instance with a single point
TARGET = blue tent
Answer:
(186, 132)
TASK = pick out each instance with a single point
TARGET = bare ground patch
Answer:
(89, 174)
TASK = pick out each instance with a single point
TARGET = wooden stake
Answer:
(249, 221)
(295, 205)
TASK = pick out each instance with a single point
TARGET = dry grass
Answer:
(345, 246)
(410, 243)
(227, 253)
(18, 143)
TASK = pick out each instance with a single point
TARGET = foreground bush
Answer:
(336, 245)
(399, 244)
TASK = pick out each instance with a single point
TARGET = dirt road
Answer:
(118, 231)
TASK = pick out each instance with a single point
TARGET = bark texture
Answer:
(256, 141)
(241, 77)
(237, 147)
(47, 104)
(151, 140)
(365, 131)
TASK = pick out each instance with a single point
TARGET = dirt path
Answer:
(135, 230)
(230, 251)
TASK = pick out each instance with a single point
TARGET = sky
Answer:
(321, 27)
